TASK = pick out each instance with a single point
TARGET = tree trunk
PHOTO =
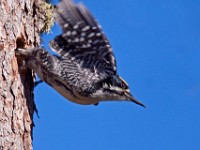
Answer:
(19, 27)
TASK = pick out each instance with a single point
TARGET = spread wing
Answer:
(82, 39)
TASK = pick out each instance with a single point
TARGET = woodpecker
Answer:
(84, 70)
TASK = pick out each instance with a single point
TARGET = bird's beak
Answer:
(131, 98)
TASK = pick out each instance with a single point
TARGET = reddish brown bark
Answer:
(18, 28)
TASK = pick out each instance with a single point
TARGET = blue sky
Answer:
(157, 47)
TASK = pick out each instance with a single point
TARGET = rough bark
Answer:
(19, 27)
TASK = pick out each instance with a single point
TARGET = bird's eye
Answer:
(121, 93)
(124, 85)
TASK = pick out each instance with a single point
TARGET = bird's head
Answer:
(115, 88)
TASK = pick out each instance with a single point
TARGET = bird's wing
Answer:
(82, 38)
